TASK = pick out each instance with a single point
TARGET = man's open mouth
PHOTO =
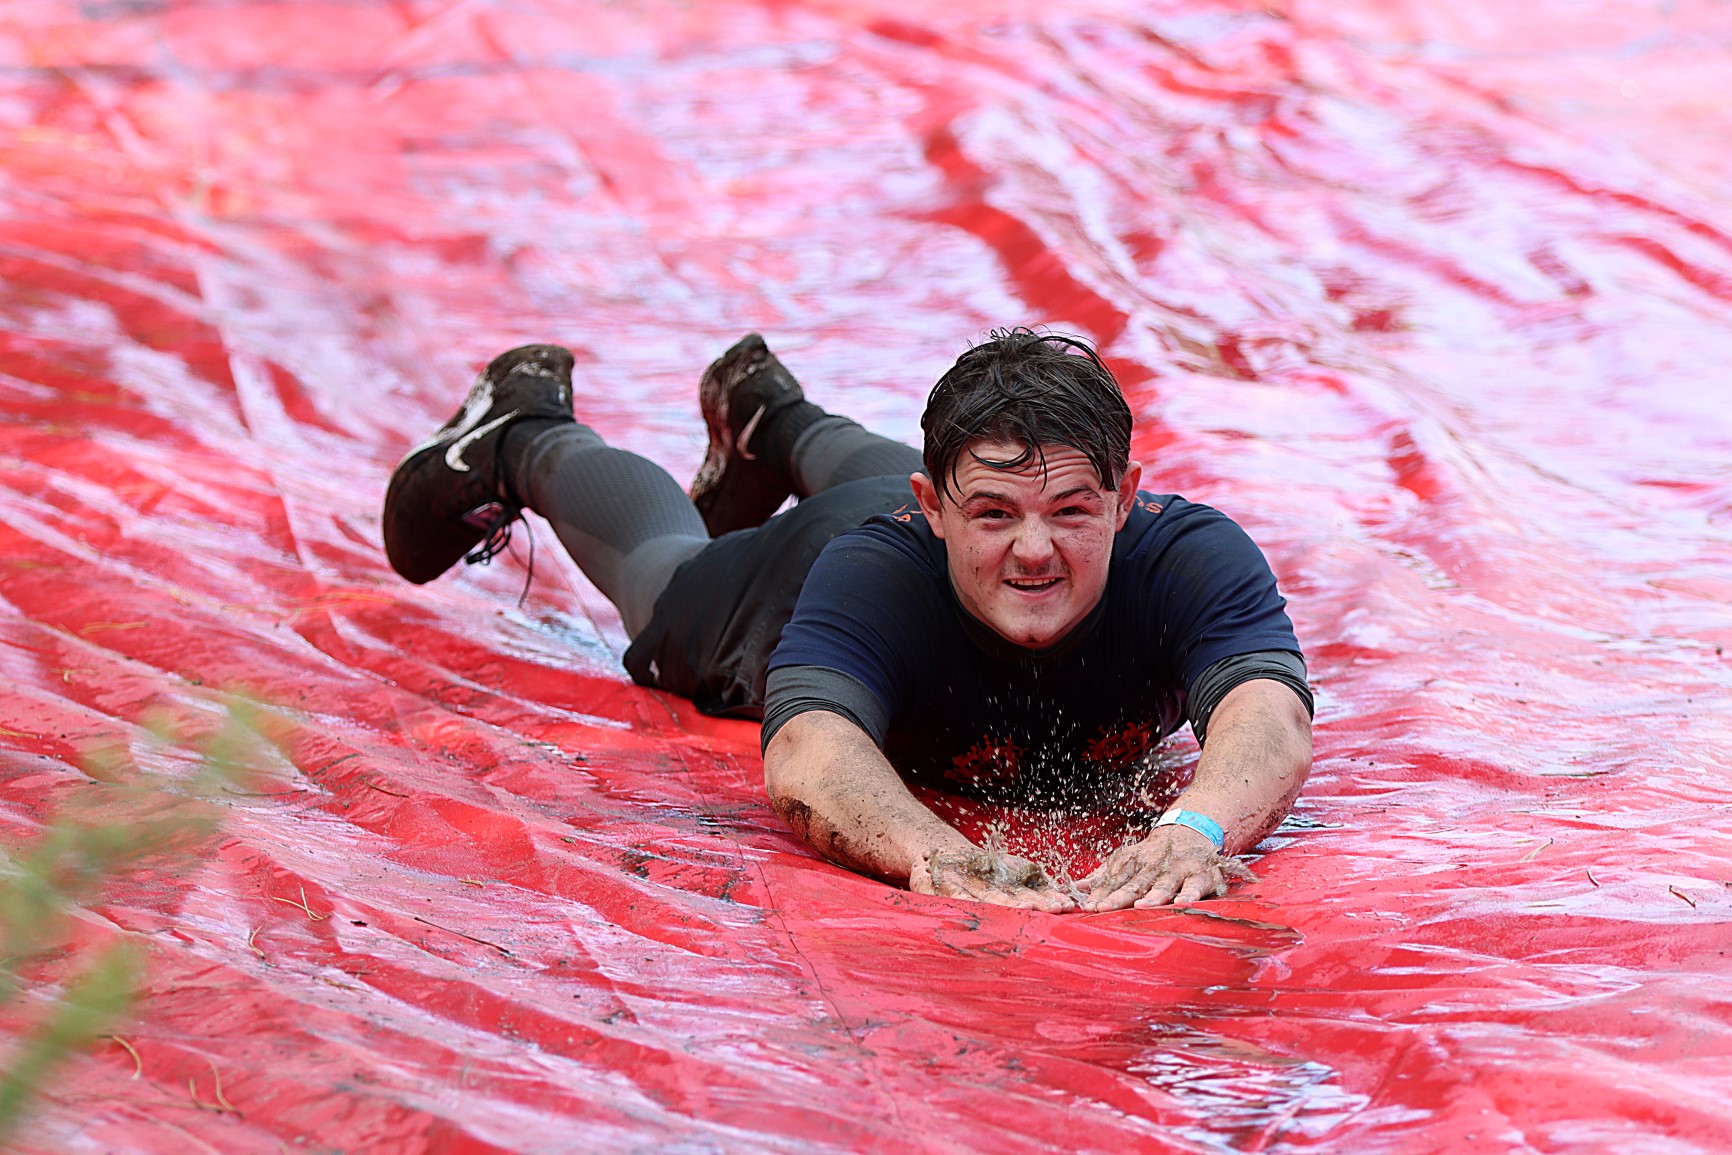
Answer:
(1032, 585)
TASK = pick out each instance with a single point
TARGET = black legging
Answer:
(629, 525)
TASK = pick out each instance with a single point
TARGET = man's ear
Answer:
(1128, 492)
(926, 494)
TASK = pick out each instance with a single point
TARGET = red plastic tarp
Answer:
(1433, 298)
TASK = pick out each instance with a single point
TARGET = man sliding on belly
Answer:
(1004, 617)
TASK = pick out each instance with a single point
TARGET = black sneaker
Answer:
(450, 494)
(740, 391)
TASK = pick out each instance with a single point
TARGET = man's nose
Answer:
(1033, 546)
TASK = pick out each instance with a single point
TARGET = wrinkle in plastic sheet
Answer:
(1433, 298)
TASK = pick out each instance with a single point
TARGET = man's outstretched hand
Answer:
(988, 876)
(1173, 864)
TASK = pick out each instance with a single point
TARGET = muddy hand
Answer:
(987, 876)
(1175, 864)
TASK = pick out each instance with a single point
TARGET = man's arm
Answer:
(1256, 759)
(830, 782)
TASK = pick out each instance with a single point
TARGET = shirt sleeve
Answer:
(864, 612)
(795, 690)
(1212, 595)
(1219, 679)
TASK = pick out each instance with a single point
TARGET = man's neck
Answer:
(1000, 648)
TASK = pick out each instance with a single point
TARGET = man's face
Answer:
(1028, 548)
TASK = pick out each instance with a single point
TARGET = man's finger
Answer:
(970, 887)
(1053, 902)
(1119, 871)
(1126, 892)
(1015, 899)
(1019, 898)
(963, 884)
(1160, 893)
(920, 879)
(958, 884)
(1113, 898)
(1199, 886)
(1114, 868)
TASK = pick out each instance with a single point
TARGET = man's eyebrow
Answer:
(984, 495)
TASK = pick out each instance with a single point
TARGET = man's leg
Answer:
(719, 619)
(621, 517)
(768, 442)
(833, 451)
(516, 443)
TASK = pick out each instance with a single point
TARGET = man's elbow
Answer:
(797, 763)
(1298, 734)
(1295, 731)
(781, 782)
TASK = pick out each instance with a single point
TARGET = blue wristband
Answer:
(1201, 823)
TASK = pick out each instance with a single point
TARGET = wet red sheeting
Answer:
(1434, 298)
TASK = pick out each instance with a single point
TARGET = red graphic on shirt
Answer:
(987, 759)
(1117, 749)
(904, 514)
(1146, 505)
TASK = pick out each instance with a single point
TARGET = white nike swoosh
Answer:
(746, 435)
(454, 455)
(475, 406)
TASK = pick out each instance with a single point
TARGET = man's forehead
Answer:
(1062, 465)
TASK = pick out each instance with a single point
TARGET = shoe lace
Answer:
(497, 527)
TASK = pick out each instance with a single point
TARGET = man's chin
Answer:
(1031, 634)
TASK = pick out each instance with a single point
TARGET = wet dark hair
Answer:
(1030, 389)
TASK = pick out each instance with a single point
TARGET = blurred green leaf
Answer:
(81, 852)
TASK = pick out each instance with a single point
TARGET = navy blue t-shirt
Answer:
(968, 712)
